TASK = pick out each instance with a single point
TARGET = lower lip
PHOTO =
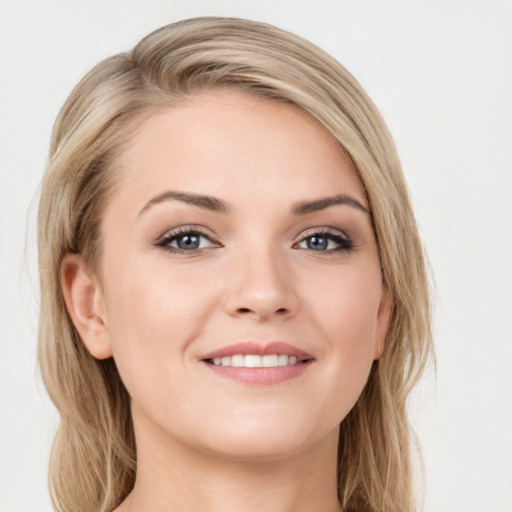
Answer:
(260, 376)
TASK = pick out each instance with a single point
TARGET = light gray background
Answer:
(441, 73)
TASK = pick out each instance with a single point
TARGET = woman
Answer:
(234, 300)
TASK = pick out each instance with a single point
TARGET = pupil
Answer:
(188, 242)
(317, 243)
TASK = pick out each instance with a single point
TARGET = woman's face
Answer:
(241, 289)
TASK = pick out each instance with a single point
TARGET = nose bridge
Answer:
(262, 283)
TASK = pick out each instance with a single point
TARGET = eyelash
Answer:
(344, 242)
(178, 233)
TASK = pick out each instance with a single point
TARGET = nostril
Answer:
(280, 311)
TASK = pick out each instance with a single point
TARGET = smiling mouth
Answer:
(261, 364)
(256, 361)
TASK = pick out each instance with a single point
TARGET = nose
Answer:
(261, 287)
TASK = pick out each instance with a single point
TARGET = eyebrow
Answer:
(305, 207)
(216, 205)
(209, 203)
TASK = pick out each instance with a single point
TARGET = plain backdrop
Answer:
(440, 72)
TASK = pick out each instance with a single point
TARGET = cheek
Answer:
(346, 304)
(153, 314)
(346, 312)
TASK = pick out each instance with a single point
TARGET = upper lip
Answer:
(257, 348)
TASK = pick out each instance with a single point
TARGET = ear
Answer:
(85, 304)
(383, 315)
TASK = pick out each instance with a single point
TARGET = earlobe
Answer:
(85, 304)
(383, 314)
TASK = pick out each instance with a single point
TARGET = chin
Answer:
(273, 439)
(261, 450)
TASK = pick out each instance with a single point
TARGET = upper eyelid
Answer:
(184, 230)
(324, 231)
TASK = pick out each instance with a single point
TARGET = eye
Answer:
(326, 241)
(185, 240)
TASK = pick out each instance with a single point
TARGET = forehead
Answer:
(228, 144)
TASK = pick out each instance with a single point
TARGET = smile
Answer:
(261, 364)
(256, 361)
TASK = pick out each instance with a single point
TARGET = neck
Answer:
(174, 477)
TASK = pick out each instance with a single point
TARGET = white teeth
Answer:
(237, 360)
(282, 359)
(256, 361)
(252, 361)
(269, 361)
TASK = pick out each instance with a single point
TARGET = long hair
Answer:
(93, 460)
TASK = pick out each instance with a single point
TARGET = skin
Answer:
(205, 442)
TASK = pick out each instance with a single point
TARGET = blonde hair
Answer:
(93, 461)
